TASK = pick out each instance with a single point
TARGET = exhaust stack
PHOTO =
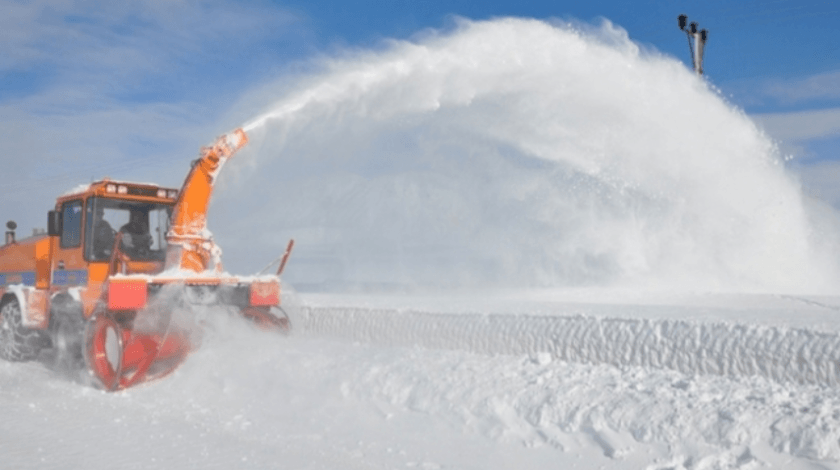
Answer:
(10, 233)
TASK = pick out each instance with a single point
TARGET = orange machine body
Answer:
(40, 267)
(84, 261)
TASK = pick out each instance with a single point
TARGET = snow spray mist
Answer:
(524, 153)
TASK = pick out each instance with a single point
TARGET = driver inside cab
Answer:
(103, 236)
(136, 239)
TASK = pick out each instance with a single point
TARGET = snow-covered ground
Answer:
(351, 388)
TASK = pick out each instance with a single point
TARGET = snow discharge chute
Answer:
(189, 246)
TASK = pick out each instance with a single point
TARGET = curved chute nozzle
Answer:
(189, 247)
(228, 144)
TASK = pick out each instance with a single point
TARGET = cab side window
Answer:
(71, 233)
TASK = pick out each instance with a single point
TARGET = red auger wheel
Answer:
(120, 357)
(104, 350)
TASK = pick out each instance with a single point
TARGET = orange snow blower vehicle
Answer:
(114, 284)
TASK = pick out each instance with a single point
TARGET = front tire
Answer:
(16, 342)
(67, 338)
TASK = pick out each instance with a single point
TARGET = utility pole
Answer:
(696, 41)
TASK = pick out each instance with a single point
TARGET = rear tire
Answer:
(16, 342)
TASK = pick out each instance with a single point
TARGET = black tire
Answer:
(16, 342)
(67, 334)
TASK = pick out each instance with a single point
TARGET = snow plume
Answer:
(522, 153)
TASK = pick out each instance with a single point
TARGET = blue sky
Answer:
(132, 89)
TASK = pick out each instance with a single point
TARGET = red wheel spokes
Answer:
(144, 350)
(105, 350)
(120, 358)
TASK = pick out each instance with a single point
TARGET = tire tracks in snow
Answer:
(781, 354)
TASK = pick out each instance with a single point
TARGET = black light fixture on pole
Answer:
(696, 41)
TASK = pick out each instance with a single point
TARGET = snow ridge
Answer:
(781, 354)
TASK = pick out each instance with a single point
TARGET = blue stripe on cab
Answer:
(70, 278)
(26, 278)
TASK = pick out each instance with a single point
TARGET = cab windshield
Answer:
(143, 226)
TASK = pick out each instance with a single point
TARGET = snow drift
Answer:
(519, 153)
(251, 399)
(803, 356)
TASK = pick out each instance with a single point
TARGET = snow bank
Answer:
(509, 389)
(715, 394)
(782, 354)
(251, 399)
(639, 418)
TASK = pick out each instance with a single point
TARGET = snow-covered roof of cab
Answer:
(124, 189)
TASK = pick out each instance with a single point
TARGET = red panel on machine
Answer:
(127, 294)
(265, 293)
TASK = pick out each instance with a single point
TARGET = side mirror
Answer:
(54, 223)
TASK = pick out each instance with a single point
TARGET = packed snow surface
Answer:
(370, 388)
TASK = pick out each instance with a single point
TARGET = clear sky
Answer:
(132, 89)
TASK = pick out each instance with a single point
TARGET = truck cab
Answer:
(79, 255)
(87, 222)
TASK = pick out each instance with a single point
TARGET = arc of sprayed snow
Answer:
(334, 88)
